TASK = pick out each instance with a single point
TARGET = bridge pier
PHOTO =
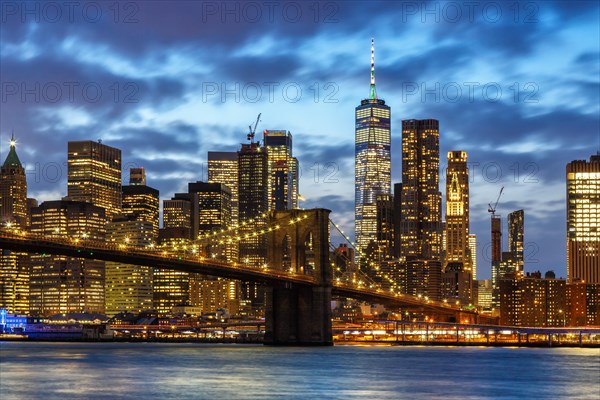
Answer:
(295, 314)
(298, 316)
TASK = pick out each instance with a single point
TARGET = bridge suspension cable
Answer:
(369, 259)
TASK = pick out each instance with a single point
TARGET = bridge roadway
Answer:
(194, 263)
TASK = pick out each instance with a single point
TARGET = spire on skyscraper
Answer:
(373, 92)
(12, 159)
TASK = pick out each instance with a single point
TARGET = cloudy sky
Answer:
(516, 85)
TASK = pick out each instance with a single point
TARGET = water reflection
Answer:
(169, 371)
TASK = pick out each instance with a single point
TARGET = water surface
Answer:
(208, 371)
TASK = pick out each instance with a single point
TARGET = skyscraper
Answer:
(458, 277)
(223, 168)
(171, 288)
(94, 175)
(421, 221)
(457, 210)
(211, 208)
(583, 220)
(14, 213)
(177, 213)
(397, 217)
(516, 232)
(13, 190)
(141, 201)
(253, 187)
(206, 207)
(473, 248)
(253, 202)
(60, 284)
(128, 288)
(372, 161)
(496, 226)
(283, 170)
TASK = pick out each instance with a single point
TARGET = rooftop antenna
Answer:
(373, 92)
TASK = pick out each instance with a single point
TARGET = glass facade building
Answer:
(60, 284)
(141, 201)
(128, 288)
(14, 214)
(372, 166)
(94, 175)
(583, 221)
(421, 203)
(283, 170)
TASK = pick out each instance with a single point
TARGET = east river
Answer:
(30, 370)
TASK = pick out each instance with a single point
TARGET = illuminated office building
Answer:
(385, 226)
(496, 226)
(60, 284)
(211, 207)
(128, 288)
(211, 294)
(211, 212)
(141, 201)
(473, 249)
(421, 220)
(94, 175)
(583, 220)
(457, 210)
(171, 288)
(372, 162)
(381, 253)
(457, 278)
(516, 232)
(31, 203)
(14, 214)
(457, 283)
(13, 190)
(583, 304)
(283, 170)
(14, 282)
(397, 217)
(223, 168)
(531, 300)
(484, 294)
(253, 202)
(204, 209)
(253, 187)
(177, 213)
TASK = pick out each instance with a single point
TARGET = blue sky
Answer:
(516, 85)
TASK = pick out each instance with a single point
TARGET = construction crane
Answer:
(253, 131)
(492, 210)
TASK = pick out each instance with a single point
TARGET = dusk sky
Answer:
(516, 85)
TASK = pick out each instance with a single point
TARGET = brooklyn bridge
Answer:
(299, 291)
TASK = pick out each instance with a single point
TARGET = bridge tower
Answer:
(300, 314)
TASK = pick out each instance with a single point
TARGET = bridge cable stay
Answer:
(369, 259)
(353, 277)
(362, 273)
(226, 235)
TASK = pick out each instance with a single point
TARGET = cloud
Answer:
(151, 61)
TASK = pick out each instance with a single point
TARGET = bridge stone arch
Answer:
(299, 314)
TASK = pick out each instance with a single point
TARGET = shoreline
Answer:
(336, 343)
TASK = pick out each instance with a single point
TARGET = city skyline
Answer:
(526, 140)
